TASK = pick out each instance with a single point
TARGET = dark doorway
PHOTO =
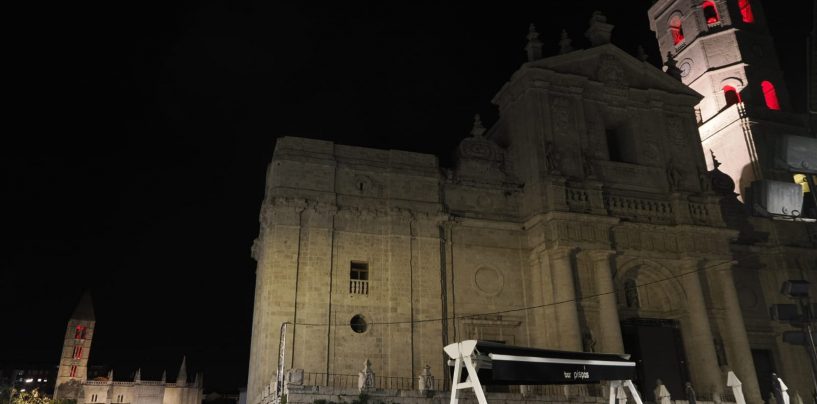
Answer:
(764, 368)
(657, 349)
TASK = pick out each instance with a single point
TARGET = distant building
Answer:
(29, 376)
(587, 218)
(72, 379)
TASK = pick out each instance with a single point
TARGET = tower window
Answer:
(746, 11)
(731, 95)
(770, 95)
(676, 30)
(710, 12)
(77, 352)
(359, 278)
(93, 398)
(80, 332)
(120, 398)
(73, 372)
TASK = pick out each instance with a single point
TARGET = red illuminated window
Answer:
(77, 352)
(73, 372)
(80, 332)
(746, 11)
(731, 95)
(710, 12)
(676, 30)
(770, 95)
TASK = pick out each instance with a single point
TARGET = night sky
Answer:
(139, 135)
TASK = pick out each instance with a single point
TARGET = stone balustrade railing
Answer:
(358, 287)
(639, 209)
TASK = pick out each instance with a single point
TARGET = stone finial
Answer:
(715, 162)
(621, 395)
(640, 54)
(534, 46)
(164, 376)
(598, 31)
(478, 130)
(565, 44)
(671, 67)
(365, 379)
(181, 379)
(110, 375)
(137, 378)
(425, 381)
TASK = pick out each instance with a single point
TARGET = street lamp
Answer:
(798, 315)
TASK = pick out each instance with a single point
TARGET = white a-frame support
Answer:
(617, 384)
(461, 353)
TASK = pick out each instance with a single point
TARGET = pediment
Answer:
(611, 66)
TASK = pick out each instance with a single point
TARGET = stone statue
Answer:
(588, 341)
(631, 294)
(425, 381)
(365, 379)
(552, 158)
(690, 393)
(674, 176)
(662, 395)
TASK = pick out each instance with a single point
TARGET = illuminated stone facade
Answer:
(583, 219)
(73, 384)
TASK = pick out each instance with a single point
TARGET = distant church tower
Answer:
(76, 349)
(722, 49)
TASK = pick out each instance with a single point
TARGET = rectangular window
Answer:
(359, 278)
(80, 332)
(93, 398)
(120, 398)
(73, 372)
(77, 352)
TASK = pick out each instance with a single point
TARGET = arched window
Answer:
(710, 12)
(676, 30)
(770, 95)
(746, 11)
(731, 95)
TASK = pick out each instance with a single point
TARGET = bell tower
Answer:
(722, 49)
(76, 349)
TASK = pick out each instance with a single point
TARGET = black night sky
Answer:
(139, 135)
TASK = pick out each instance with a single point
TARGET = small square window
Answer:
(359, 271)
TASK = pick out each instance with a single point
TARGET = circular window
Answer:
(359, 324)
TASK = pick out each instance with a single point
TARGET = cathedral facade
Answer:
(587, 218)
(72, 376)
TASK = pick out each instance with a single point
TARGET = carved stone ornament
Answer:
(562, 118)
(611, 72)
(675, 129)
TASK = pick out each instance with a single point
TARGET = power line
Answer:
(593, 296)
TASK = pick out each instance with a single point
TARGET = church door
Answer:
(657, 349)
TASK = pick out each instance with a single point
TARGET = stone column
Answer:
(564, 297)
(697, 334)
(737, 341)
(608, 310)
